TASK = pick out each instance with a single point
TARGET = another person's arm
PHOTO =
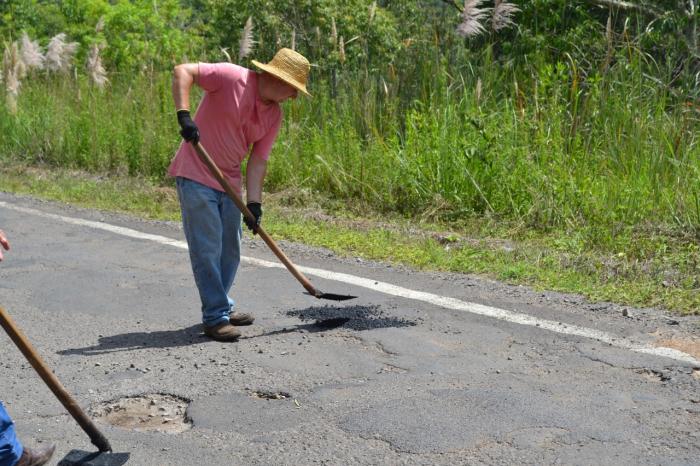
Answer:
(5, 244)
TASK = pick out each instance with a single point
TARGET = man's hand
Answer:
(189, 132)
(3, 241)
(255, 209)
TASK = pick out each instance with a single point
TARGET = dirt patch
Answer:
(150, 412)
(390, 368)
(689, 346)
(653, 375)
(267, 395)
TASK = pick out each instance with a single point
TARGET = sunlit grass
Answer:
(657, 270)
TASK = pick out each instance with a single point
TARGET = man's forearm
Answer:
(255, 176)
(183, 79)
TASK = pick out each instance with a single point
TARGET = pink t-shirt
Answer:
(231, 117)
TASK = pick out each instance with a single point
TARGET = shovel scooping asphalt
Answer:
(206, 159)
(104, 457)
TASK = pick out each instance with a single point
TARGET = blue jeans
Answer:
(10, 448)
(212, 225)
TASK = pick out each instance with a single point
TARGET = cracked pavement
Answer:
(377, 380)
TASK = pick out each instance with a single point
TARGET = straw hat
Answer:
(289, 66)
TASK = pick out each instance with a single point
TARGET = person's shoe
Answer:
(240, 318)
(36, 457)
(222, 332)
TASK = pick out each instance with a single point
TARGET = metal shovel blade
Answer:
(336, 297)
(85, 458)
(331, 296)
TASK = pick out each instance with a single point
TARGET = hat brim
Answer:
(276, 73)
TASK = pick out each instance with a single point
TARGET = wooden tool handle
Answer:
(204, 157)
(53, 383)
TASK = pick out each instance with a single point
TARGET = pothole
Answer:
(150, 412)
(350, 317)
(392, 368)
(265, 395)
(653, 375)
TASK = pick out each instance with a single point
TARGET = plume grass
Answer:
(31, 54)
(13, 71)
(341, 50)
(503, 13)
(246, 43)
(95, 69)
(334, 33)
(60, 54)
(472, 17)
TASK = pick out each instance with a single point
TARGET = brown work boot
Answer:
(240, 318)
(36, 457)
(222, 332)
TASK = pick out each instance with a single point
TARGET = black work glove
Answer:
(255, 209)
(189, 132)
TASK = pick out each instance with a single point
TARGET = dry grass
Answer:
(60, 54)
(31, 54)
(13, 69)
(246, 43)
(96, 71)
(503, 13)
(472, 17)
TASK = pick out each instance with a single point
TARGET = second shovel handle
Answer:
(16, 335)
(207, 160)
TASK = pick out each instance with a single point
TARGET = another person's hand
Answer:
(189, 131)
(3, 241)
(255, 209)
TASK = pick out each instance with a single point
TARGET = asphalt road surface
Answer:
(421, 369)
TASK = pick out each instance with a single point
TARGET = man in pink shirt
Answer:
(238, 117)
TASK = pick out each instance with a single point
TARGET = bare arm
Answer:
(255, 175)
(184, 77)
(5, 244)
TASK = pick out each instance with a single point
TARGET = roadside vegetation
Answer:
(549, 143)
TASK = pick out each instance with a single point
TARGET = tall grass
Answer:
(72, 123)
(545, 148)
(541, 144)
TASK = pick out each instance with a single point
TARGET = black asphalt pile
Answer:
(351, 317)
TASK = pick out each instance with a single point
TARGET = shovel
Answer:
(206, 159)
(104, 456)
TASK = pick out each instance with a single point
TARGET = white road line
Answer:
(387, 288)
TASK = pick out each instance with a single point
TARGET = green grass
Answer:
(640, 268)
(117, 194)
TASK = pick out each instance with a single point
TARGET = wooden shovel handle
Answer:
(53, 383)
(204, 157)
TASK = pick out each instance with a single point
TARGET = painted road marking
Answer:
(388, 288)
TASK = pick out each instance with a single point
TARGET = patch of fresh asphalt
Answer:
(116, 316)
